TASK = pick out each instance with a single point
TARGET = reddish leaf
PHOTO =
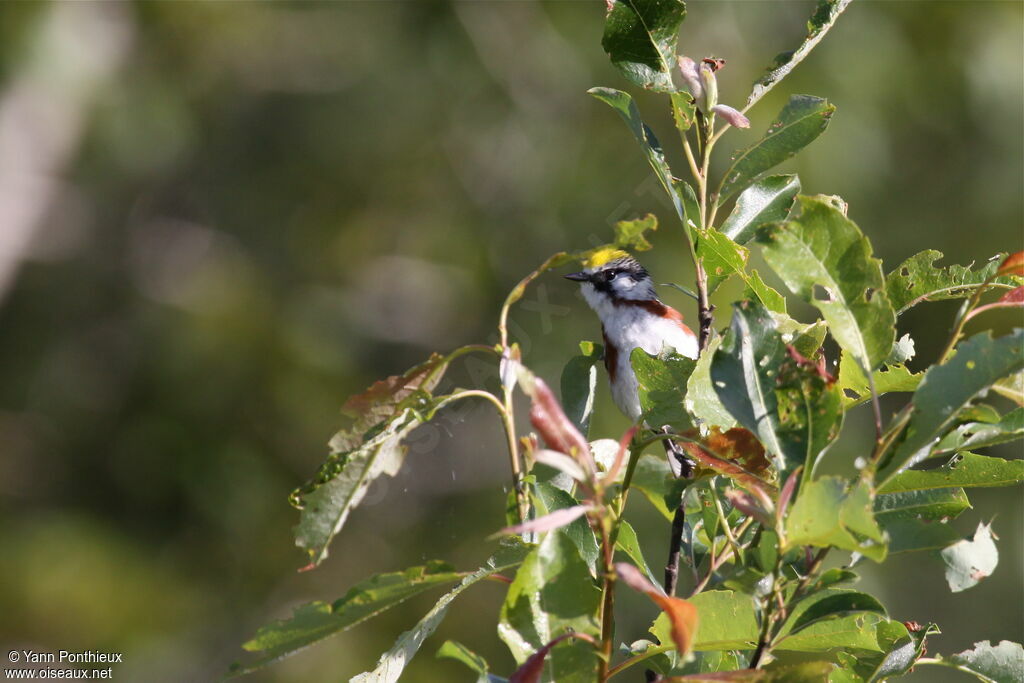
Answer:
(530, 670)
(1013, 265)
(1013, 298)
(746, 504)
(681, 614)
(557, 430)
(554, 520)
(757, 487)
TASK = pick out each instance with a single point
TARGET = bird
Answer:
(621, 292)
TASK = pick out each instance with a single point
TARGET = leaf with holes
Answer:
(640, 39)
(918, 279)
(948, 388)
(971, 435)
(964, 470)
(799, 123)
(890, 378)
(823, 257)
(630, 234)
(1002, 663)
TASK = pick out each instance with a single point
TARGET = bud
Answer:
(710, 85)
(732, 116)
(690, 74)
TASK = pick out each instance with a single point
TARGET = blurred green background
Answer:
(217, 220)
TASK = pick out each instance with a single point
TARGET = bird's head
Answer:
(611, 275)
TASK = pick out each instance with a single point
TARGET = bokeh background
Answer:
(217, 220)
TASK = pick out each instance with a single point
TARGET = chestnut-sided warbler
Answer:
(621, 292)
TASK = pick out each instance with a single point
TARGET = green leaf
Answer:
(902, 648)
(794, 412)
(817, 26)
(963, 469)
(382, 417)
(918, 279)
(630, 234)
(315, 621)
(623, 103)
(946, 389)
(341, 484)
(1002, 663)
(551, 498)
(726, 621)
(829, 603)
(768, 296)
(836, 576)
(552, 593)
(929, 504)
(1011, 387)
(857, 631)
(684, 111)
(891, 378)
(983, 434)
(913, 535)
(823, 257)
(721, 256)
(799, 123)
(826, 513)
(579, 385)
(391, 664)
(640, 39)
(653, 477)
(701, 398)
(462, 654)
(806, 339)
(766, 201)
(968, 561)
(662, 387)
(628, 543)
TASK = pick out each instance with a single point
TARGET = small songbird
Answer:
(621, 292)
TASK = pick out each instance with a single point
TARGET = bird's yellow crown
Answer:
(603, 255)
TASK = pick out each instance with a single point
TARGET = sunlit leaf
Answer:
(681, 615)
(918, 279)
(827, 513)
(1002, 663)
(630, 234)
(628, 543)
(794, 411)
(970, 560)
(460, 653)
(823, 257)
(654, 478)
(551, 499)
(720, 255)
(927, 504)
(818, 25)
(799, 123)
(982, 434)
(640, 39)
(829, 603)
(946, 389)
(661, 383)
(701, 398)
(890, 378)
(766, 201)
(964, 470)
(552, 592)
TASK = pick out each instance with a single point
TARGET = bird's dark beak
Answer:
(578, 277)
